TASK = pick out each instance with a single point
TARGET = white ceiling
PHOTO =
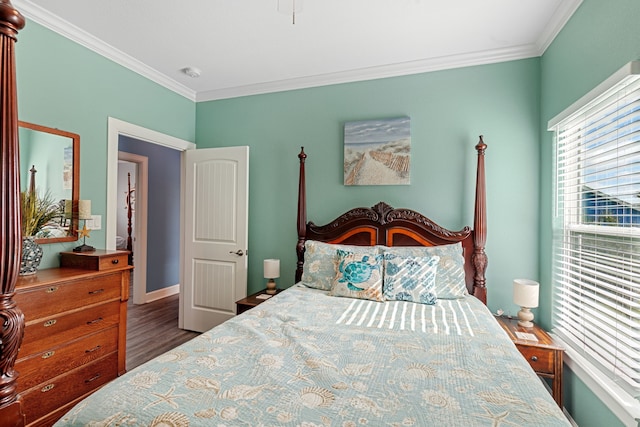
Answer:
(245, 47)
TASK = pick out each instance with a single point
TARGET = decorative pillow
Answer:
(410, 278)
(321, 261)
(359, 275)
(450, 283)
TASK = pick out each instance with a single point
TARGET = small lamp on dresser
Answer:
(84, 213)
(525, 294)
(271, 272)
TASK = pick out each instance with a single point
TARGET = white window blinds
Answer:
(596, 243)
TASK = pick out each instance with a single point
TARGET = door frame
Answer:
(116, 128)
(140, 221)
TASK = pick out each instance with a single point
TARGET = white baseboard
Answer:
(564, 410)
(161, 293)
(569, 417)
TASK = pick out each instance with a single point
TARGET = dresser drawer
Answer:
(54, 361)
(55, 393)
(46, 301)
(54, 330)
(98, 260)
(540, 359)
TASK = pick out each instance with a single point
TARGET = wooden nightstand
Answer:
(252, 300)
(544, 355)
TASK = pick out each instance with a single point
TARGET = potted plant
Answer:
(36, 212)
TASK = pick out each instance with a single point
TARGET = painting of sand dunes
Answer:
(377, 152)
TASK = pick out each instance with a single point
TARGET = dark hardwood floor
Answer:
(152, 329)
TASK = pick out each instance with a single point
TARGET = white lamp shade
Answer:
(271, 268)
(525, 293)
(84, 209)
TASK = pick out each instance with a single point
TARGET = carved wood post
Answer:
(302, 216)
(11, 318)
(129, 223)
(479, 257)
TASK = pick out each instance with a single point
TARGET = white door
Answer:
(215, 235)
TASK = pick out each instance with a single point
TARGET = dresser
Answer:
(75, 331)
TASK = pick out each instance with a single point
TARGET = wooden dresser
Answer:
(75, 331)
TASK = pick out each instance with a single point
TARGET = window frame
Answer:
(624, 405)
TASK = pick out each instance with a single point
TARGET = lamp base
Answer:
(271, 287)
(84, 248)
(525, 317)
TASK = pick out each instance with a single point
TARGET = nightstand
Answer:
(252, 300)
(543, 354)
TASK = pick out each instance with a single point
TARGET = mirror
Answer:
(50, 162)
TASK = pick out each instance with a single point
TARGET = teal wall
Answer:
(66, 86)
(599, 39)
(448, 111)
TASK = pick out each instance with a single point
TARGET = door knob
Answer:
(238, 252)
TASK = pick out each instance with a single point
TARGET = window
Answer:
(596, 242)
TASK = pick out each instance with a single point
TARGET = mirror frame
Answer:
(75, 186)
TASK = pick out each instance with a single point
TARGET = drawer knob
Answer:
(47, 388)
(534, 358)
(50, 322)
(48, 354)
(51, 289)
(115, 261)
(97, 291)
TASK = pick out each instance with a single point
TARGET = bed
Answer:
(338, 352)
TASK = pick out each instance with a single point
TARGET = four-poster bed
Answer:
(312, 356)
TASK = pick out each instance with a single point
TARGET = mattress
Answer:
(305, 358)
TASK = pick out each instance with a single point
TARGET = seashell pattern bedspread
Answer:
(304, 358)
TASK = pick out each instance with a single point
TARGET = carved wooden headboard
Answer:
(11, 318)
(384, 225)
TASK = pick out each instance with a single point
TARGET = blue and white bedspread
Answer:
(304, 358)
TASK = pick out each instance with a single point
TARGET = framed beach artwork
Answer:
(377, 152)
(67, 168)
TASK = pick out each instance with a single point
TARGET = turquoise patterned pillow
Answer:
(450, 283)
(321, 261)
(359, 275)
(410, 278)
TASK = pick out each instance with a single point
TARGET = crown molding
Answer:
(561, 16)
(66, 29)
(70, 31)
(372, 73)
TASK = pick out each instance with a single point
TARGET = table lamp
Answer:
(525, 294)
(271, 272)
(84, 213)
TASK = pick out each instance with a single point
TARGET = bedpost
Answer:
(302, 216)
(11, 318)
(479, 257)
(129, 221)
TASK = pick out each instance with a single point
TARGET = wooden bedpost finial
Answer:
(481, 146)
(11, 21)
(302, 156)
